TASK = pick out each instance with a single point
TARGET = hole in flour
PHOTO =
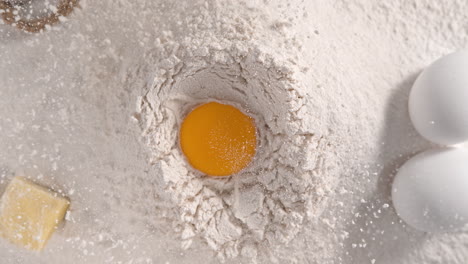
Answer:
(257, 98)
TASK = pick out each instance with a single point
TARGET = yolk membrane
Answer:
(218, 139)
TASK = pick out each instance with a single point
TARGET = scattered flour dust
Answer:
(265, 206)
(67, 122)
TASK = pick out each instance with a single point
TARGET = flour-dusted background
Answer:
(71, 118)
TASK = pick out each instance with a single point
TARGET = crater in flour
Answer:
(266, 204)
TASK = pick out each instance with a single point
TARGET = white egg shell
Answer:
(430, 191)
(438, 102)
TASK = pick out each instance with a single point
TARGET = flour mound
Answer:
(264, 207)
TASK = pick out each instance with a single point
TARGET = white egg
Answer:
(438, 102)
(430, 191)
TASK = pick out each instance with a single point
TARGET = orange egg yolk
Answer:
(218, 139)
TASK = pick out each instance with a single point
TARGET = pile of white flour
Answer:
(266, 205)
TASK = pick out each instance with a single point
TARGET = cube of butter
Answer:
(29, 213)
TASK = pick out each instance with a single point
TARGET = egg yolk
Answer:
(218, 139)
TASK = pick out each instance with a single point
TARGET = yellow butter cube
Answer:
(29, 213)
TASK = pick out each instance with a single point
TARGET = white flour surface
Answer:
(92, 109)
